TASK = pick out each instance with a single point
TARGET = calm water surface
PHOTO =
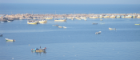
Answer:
(68, 8)
(77, 42)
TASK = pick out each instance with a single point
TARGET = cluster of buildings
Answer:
(4, 17)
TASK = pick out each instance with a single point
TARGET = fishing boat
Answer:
(94, 17)
(42, 21)
(137, 24)
(118, 16)
(49, 18)
(106, 16)
(100, 16)
(112, 28)
(64, 27)
(77, 18)
(98, 32)
(8, 21)
(32, 22)
(138, 16)
(60, 20)
(122, 16)
(112, 16)
(60, 27)
(133, 16)
(9, 39)
(129, 16)
(38, 50)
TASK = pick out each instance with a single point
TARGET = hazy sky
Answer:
(73, 1)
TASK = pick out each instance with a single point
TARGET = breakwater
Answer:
(4, 17)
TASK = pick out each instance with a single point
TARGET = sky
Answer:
(73, 1)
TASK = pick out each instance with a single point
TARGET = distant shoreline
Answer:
(5, 17)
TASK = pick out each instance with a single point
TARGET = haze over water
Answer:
(78, 41)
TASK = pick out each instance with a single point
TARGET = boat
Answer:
(101, 19)
(112, 28)
(106, 16)
(32, 22)
(64, 27)
(94, 17)
(138, 16)
(38, 50)
(133, 16)
(85, 19)
(60, 27)
(137, 24)
(60, 20)
(118, 16)
(129, 16)
(122, 16)
(112, 16)
(98, 32)
(9, 39)
(42, 21)
(49, 18)
(77, 18)
(8, 21)
(100, 16)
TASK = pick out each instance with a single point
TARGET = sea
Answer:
(76, 42)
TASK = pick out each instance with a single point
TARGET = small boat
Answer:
(118, 16)
(98, 32)
(106, 16)
(42, 21)
(64, 27)
(8, 21)
(9, 39)
(49, 18)
(112, 28)
(137, 24)
(112, 16)
(60, 20)
(32, 22)
(77, 18)
(38, 50)
(94, 17)
(60, 27)
(94, 23)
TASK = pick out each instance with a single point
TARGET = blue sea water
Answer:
(78, 41)
(68, 8)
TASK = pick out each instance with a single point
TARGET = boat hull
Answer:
(112, 29)
(42, 22)
(137, 24)
(31, 22)
(59, 20)
(9, 39)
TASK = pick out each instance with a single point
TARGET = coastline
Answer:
(6, 17)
